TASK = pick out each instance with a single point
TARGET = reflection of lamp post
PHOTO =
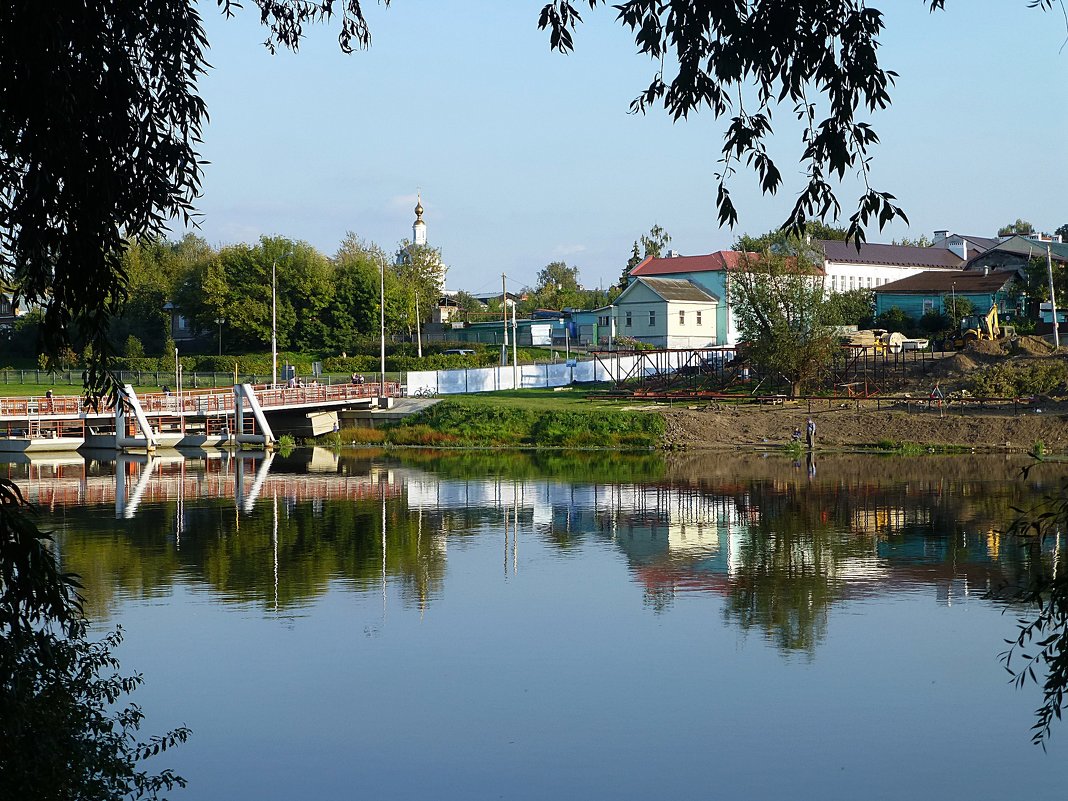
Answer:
(220, 320)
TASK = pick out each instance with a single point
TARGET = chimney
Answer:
(940, 235)
(964, 248)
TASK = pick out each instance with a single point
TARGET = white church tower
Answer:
(419, 227)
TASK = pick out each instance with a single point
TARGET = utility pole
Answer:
(1053, 299)
(382, 325)
(515, 352)
(504, 318)
(418, 327)
(274, 323)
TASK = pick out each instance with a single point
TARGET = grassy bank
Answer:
(521, 419)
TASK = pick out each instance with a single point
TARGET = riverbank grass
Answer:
(525, 419)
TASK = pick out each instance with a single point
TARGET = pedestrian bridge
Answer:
(242, 415)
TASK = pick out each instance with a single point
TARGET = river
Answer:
(539, 626)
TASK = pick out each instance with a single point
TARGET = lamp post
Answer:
(382, 325)
(220, 320)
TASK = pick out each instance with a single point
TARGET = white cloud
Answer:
(568, 250)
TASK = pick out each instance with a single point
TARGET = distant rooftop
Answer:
(903, 255)
(720, 260)
(678, 289)
(942, 282)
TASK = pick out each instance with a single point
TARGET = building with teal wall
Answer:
(711, 272)
(932, 291)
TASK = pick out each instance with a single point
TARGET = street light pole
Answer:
(382, 323)
(220, 321)
(274, 323)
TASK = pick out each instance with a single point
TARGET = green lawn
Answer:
(36, 390)
(566, 399)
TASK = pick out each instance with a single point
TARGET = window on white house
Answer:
(698, 317)
(652, 319)
(834, 283)
(682, 318)
(629, 320)
(851, 282)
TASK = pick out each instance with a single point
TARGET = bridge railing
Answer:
(204, 401)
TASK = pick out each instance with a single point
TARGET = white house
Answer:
(873, 265)
(667, 313)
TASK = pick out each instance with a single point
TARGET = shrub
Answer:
(1042, 377)
(419, 434)
(363, 436)
(133, 348)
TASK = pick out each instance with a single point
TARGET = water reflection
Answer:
(780, 542)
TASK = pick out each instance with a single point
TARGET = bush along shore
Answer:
(471, 423)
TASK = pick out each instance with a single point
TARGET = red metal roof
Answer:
(720, 260)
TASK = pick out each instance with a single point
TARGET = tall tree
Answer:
(557, 288)
(778, 302)
(786, 242)
(420, 273)
(653, 244)
(354, 312)
(97, 148)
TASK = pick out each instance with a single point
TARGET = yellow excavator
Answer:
(982, 326)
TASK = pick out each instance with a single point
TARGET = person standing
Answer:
(937, 396)
(810, 433)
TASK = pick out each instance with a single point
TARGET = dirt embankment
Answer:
(840, 425)
(845, 424)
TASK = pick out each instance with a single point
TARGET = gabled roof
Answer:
(980, 243)
(938, 281)
(710, 262)
(1029, 247)
(673, 289)
(903, 255)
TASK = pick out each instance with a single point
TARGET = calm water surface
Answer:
(539, 627)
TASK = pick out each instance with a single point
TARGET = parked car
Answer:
(458, 352)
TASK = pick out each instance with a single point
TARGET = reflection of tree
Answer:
(802, 545)
(786, 579)
(238, 554)
(588, 467)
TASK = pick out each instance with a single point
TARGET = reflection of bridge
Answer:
(180, 419)
(153, 479)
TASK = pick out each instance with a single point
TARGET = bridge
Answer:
(244, 415)
(60, 480)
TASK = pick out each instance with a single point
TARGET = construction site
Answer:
(873, 395)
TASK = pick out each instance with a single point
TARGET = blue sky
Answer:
(525, 156)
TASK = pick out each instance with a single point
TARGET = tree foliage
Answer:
(651, 245)
(1042, 640)
(854, 307)
(779, 304)
(420, 278)
(101, 121)
(61, 735)
(1018, 228)
(787, 243)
